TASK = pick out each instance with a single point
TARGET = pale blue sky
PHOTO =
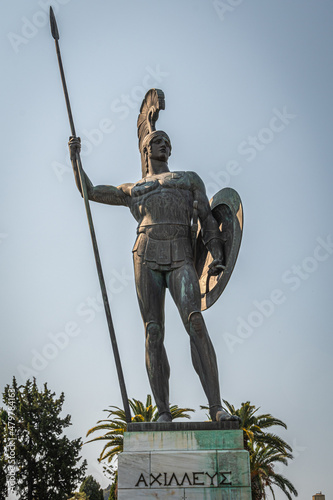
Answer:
(248, 104)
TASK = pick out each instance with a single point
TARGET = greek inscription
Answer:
(187, 478)
(141, 479)
(211, 478)
(166, 479)
(224, 478)
(196, 479)
(155, 479)
(173, 477)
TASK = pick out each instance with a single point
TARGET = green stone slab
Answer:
(183, 440)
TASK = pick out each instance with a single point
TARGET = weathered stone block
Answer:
(189, 465)
(183, 440)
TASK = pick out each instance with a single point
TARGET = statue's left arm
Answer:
(211, 235)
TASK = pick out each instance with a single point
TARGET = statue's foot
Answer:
(219, 415)
(165, 416)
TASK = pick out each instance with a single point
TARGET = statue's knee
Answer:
(197, 324)
(154, 334)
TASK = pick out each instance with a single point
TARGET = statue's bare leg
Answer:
(150, 287)
(184, 288)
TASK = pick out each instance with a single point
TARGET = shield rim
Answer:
(230, 198)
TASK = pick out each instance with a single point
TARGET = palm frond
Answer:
(115, 424)
(266, 449)
(177, 412)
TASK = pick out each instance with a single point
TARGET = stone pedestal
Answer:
(184, 461)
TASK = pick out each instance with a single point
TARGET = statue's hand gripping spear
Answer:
(55, 34)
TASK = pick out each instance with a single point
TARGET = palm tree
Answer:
(262, 461)
(265, 449)
(115, 425)
(253, 426)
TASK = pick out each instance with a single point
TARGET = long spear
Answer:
(55, 34)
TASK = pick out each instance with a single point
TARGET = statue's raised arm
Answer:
(110, 195)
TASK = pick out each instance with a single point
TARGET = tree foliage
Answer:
(3, 461)
(115, 425)
(79, 496)
(111, 472)
(92, 489)
(266, 450)
(263, 459)
(46, 461)
(114, 488)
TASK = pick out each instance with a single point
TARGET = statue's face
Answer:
(159, 148)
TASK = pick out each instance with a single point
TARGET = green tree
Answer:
(266, 450)
(114, 488)
(3, 462)
(254, 426)
(46, 461)
(115, 425)
(263, 459)
(111, 472)
(79, 496)
(92, 488)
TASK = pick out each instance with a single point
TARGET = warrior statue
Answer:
(175, 220)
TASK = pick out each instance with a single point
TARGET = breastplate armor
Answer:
(165, 209)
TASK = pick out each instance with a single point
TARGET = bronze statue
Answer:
(174, 218)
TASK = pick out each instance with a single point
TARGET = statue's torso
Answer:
(163, 206)
(162, 199)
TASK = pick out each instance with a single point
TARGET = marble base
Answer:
(184, 465)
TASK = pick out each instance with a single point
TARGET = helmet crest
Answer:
(149, 111)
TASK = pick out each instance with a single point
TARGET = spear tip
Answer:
(53, 23)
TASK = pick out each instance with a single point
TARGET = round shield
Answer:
(226, 207)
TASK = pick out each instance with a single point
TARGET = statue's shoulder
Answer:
(182, 179)
(195, 180)
(186, 174)
(126, 188)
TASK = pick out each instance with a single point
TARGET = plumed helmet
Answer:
(149, 111)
